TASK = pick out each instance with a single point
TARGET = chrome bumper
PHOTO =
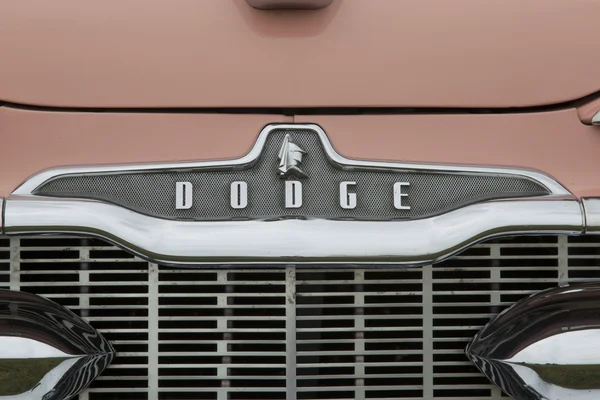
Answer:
(545, 346)
(305, 241)
(46, 351)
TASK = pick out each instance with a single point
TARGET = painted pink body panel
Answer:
(224, 53)
(556, 143)
(40, 140)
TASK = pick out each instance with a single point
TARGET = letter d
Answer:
(293, 194)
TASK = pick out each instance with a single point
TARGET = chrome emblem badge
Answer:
(290, 155)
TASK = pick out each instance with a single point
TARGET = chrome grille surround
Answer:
(340, 238)
(225, 333)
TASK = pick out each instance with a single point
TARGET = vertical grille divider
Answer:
(84, 289)
(427, 301)
(15, 263)
(359, 325)
(153, 321)
(290, 332)
(223, 325)
(563, 260)
(495, 298)
(84, 278)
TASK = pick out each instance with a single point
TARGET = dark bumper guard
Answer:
(46, 351)
(546, 346)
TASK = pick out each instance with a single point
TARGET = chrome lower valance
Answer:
(295, 240)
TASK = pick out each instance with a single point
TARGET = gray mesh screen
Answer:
(430, 193)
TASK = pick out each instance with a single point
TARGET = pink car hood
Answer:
(224, 53)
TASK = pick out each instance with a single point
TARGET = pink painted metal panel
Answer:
(224, 53)
(32, 141)
(556, 143)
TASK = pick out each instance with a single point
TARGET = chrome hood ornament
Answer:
(544, 347)
(46, 351)
(290, 155)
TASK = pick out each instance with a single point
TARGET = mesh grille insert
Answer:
(359, 333)
(428, 194)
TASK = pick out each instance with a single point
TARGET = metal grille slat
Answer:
(358, 333)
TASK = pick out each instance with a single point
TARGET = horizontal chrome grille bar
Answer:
(307, 241)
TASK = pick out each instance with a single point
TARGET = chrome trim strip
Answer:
(546, 346)
(596, 119)
(1, 215)
(413, 242)
(45, 350)
(591, 207)
(34, 182)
